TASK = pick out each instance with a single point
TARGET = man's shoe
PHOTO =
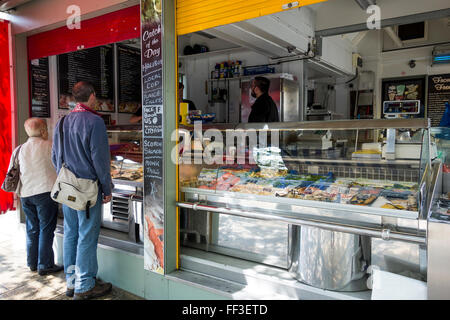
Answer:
(100, 289)
(70, 292)
(33, 269)
(53, 269)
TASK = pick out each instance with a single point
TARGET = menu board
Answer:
(153, 136)
(438, 95)
(129, 73)
(94, 65)
(406, 89)
(40, 92)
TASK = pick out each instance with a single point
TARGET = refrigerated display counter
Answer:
(125, 211)
(324, 201)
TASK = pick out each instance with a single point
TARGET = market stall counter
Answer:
(325, 200)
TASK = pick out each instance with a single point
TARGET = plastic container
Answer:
(248, 71)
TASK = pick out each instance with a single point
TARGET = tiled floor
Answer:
(17, 282)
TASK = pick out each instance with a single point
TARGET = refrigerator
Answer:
(285, 94)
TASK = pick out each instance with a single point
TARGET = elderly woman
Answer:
(37, 176)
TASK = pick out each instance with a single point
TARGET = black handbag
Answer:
(13, 175)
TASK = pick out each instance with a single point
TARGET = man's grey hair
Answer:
(34, 126)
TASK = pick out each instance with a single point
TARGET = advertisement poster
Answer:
(438, 95)
(153, 137)
(406, 89)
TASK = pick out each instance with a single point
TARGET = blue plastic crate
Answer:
(248, 71)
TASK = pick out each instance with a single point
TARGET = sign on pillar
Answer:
(153, 136)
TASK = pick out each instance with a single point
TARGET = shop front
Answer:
(348, 188)
(335, 197)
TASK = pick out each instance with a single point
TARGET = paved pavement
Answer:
(17, 282)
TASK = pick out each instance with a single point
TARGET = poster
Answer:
(40, 92)
(405, 89)
(438, 95)
(153, 137)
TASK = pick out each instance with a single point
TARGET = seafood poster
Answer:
(153, 137)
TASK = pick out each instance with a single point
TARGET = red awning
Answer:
(108, 28)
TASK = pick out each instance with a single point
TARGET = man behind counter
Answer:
(137, 117)
(264, 109)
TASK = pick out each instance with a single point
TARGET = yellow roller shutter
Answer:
(196, 15)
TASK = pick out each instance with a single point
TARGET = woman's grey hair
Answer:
(34, 126)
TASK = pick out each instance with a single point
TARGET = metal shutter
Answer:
(196, 15)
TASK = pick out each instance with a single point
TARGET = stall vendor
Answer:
(264, 109)
(137, 117)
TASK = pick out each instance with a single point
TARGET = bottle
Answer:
(222, 71)
(217, 71)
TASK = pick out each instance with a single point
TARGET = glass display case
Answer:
(125, 212)
(356, 180)
(440, 195)
(125, 144)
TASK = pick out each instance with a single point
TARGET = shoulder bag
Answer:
(12, 177)
(76, 193)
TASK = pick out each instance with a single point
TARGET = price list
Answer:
(129, 68)
(438, 95)
(40, 93)
(95, 65)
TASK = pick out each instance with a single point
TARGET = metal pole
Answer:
(384, 234)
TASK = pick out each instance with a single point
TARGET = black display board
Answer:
(95, 65)
(40, 92)
(129, 73)
(153, 136)
(438, 95)
(405, 89)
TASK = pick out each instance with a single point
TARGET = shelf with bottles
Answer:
(227, 70)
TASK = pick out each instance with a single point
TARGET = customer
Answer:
(264, 109)
(86, 154)
(37, 177)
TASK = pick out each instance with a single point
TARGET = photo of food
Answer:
(129, 107)
(151, 10)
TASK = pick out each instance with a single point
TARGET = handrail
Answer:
(366, 124)
(385, 234)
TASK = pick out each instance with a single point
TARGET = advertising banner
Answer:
(153, 137)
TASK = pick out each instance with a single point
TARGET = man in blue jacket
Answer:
(86, 154)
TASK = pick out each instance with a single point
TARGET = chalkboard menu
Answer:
(438, 95)
(95, 65)
(40, 93)
(129, 73)
(153, 136)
